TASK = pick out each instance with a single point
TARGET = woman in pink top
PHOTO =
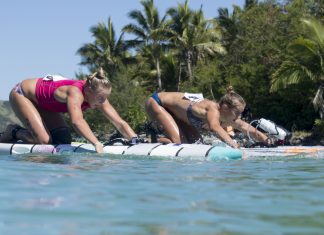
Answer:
(39, 104)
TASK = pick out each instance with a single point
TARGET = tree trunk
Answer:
(211, 92)
(189, 65)
(158, 75)
(179, 77)
(318, 101)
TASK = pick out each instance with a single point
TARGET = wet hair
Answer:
(232, 99)
(98, 80)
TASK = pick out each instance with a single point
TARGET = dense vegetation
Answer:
(7, 115)
(271, 52)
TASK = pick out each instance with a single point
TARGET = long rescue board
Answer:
(190, 151)
(184, 151)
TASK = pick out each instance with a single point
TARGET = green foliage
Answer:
(319, 128)
(150, 33)
(136, 116)
(263, 33)
(106, 51)
(194, 37)
(128, 97)
(305, 62)
(169, 68)
(7, 115)
(183, 51)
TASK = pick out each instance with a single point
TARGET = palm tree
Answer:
(229, 24)
(250, 3)
(193, 36)
(149, 30)
(206, 37)
(180, 18)
(306, 62)
(106, 51)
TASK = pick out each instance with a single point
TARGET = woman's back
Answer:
(170, 99)
(29, 86)
(178, 104)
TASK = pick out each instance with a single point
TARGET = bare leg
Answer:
(158, 114)
(25, 110)
(164, 140)
(181, 125)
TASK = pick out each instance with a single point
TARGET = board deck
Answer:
(192, 151)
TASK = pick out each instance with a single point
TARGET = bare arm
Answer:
(214, 125)
(253, 132)
(112, 115)
(74, 102)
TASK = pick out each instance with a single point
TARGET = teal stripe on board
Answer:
(224, 153)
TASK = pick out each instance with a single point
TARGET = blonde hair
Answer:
(232, 99)
(98, 80)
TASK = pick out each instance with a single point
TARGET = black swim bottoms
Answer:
(61, 135)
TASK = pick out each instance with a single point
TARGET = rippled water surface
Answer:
(103, 195)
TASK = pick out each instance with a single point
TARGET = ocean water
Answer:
(91, 194)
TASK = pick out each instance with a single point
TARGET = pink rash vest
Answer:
(46, 87)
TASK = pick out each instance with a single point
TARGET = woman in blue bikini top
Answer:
(181, 116)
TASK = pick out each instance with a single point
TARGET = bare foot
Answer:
(6, 137)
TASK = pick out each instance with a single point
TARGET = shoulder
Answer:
(75, 85)
(210, 105)
(74, 91)
(74, 96)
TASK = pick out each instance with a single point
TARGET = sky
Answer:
(39, 37)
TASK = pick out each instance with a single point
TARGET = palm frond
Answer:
(136, 30)
(105, 51)
(303, 47)
(315, 30)
(139, 18)
(211, 48)
(290, 73)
